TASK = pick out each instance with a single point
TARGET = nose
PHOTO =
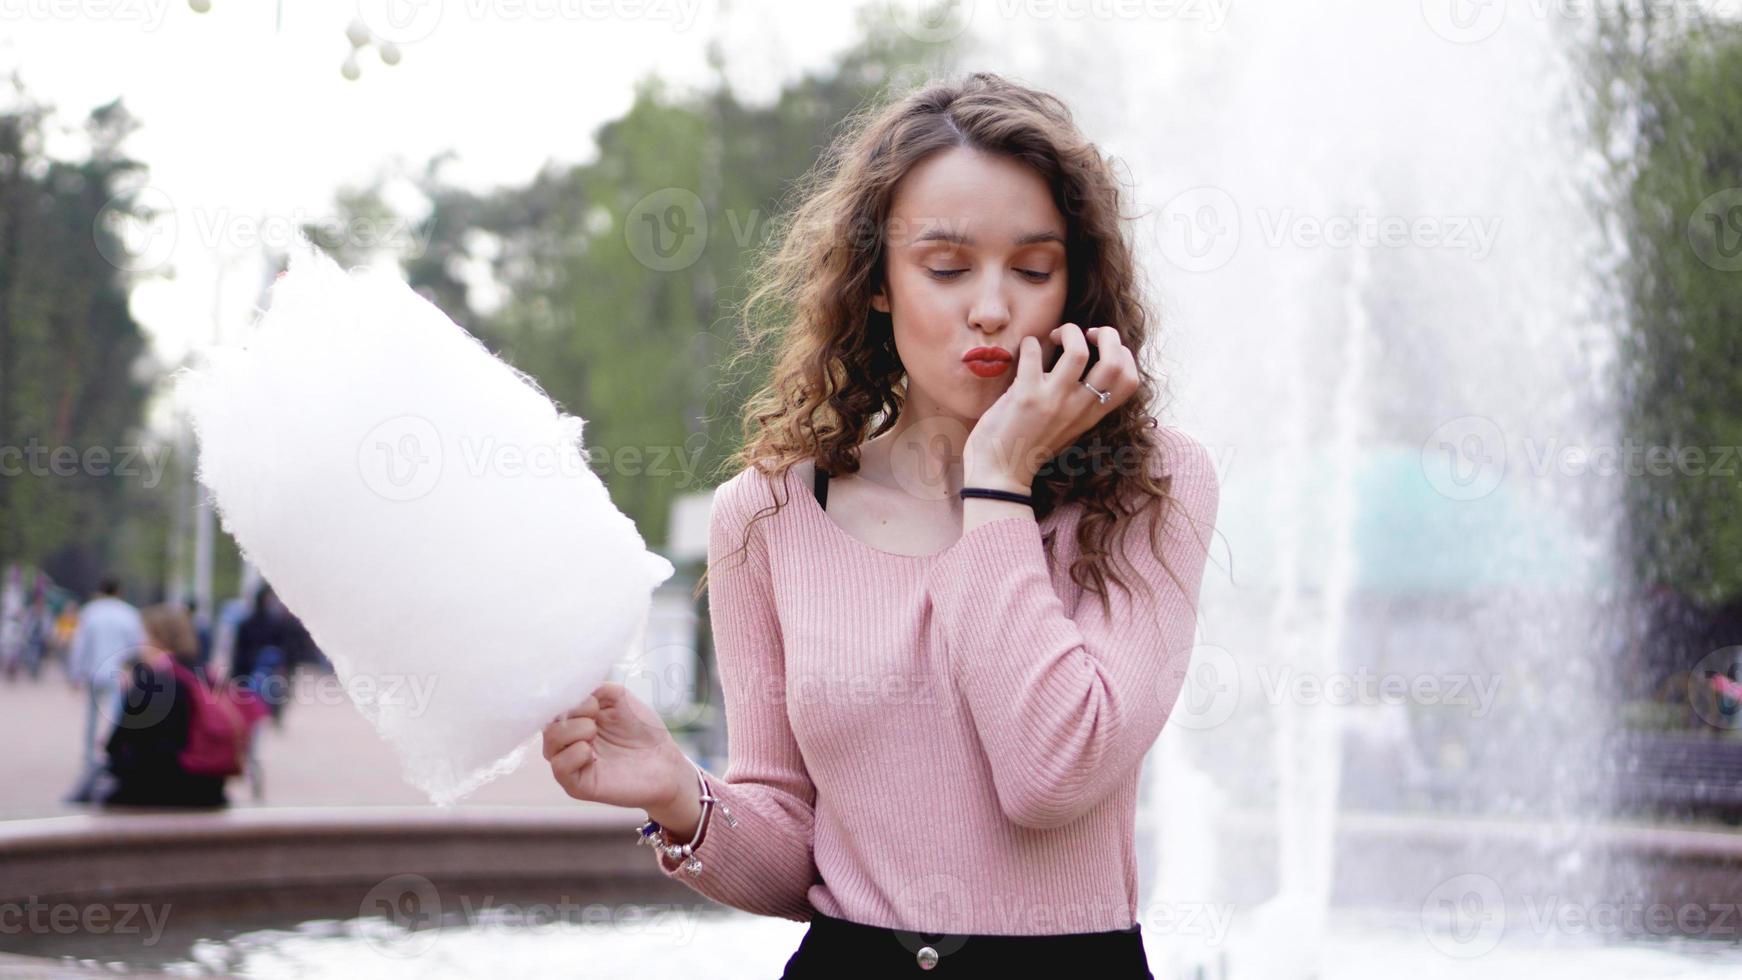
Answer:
(990, 312)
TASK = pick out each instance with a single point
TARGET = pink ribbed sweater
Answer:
(940, 743)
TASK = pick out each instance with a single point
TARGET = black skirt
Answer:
(836, 947)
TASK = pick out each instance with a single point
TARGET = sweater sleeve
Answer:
(764, 864)
(1066, 706)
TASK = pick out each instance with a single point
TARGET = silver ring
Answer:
(1100, 395)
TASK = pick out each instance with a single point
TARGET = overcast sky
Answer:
(250, 127)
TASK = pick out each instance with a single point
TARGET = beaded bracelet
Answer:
(652, 834)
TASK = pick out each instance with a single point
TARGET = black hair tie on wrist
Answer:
(994, 494)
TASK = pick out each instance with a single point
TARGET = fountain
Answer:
(1393, 203)
(1389, 755)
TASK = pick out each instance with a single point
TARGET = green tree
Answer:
(594, 311)
(71, 388)
(1670, 108)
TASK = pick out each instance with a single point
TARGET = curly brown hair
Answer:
(836, 379)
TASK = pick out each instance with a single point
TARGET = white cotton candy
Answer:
(426, 511)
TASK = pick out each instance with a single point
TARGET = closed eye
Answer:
(949, 274)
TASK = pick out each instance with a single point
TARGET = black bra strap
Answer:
(820, 486)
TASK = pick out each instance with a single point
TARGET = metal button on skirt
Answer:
(834, 947)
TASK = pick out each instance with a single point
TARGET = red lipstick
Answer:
(987, 362)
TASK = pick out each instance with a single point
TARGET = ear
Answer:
(880, 300)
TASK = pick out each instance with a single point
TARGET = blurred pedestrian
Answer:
(13, 610)
(270, 644)
(163, 750)
(109, 634)
(202, 633)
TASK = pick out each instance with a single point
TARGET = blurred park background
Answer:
(1452, 290)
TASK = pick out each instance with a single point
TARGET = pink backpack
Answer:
(220, 725)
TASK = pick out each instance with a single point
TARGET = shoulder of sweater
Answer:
(1187, 461)
(749, 492)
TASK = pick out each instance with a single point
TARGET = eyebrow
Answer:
(955, 237)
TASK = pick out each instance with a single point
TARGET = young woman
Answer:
(953, 587)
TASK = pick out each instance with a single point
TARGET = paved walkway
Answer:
(326, 754)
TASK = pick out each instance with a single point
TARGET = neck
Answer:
(922, 452)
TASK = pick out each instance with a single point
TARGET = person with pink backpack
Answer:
(179, 735)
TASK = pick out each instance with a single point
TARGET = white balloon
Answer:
(426, 511)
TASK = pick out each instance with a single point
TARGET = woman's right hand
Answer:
(614, 748)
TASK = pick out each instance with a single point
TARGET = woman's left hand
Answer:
(1043, 412)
